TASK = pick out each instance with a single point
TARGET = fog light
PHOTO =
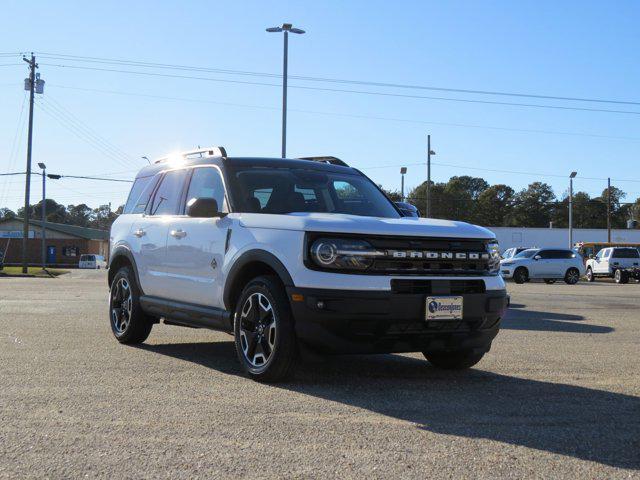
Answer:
(320, 304)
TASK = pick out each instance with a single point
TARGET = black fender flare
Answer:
(119, 252)
(251, 256)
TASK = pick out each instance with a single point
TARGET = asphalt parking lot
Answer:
(557, 397)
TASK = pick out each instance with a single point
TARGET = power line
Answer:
(80, 133)
(58, 107)
(341, 90)
(110, 61)
(347, 115)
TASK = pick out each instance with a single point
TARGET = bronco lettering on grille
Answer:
(429, 255)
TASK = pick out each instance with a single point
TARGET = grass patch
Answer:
(36, 271)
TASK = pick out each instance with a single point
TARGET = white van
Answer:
(92, 261)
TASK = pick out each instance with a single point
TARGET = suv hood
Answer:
(341, 223)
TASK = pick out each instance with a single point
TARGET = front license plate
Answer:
(443, 308)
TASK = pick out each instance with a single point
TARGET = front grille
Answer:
(437, 287)
(417, 251)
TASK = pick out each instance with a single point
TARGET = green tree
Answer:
(7, 213)
(494, 205)
(55, 212)
(79, 215)
(533, 206)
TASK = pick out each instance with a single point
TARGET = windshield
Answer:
(287, 190)
(526, 253)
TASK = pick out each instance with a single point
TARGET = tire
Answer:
(264, 330)
(572, 276)
(549, 281)
(129, 323)
(521, 275)
(590, 276)
(453, 360)
(621, 276)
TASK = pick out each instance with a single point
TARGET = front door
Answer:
(196, 246)
(149, 234)
(51, 254)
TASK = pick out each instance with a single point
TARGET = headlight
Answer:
(343, 253)
(494, 256)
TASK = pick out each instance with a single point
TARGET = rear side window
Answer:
(206, 182)
(626, 253)
(167, 197)
(136, 198)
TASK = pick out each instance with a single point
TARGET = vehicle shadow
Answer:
(517, 319)
(583, 423)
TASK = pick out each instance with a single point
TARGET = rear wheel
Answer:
(129, 323)
(549, 281)
(264, 330)
(590, 276)
(572, 276)
(453, 360)
(621, 276)
(521, 275)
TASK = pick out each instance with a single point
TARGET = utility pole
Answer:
(429, 153)
(571, 177)
(27, 187)
(608, 210)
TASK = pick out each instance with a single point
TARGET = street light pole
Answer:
(286, 28)
(43, 225)
(403, 170)
(429, 153)
(571, 177)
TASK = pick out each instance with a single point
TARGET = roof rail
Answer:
(326, 159)
(203, 152)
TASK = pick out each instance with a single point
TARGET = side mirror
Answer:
(407, 210)
(203, 208)
(537, 257)
(591, 256)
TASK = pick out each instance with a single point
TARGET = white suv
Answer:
(295, 255)
(549, 264)
(613, 262)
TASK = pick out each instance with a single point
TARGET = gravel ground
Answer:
(557, 397)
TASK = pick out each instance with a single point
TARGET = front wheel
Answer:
(264, 331)
(129, 323)
(520, 275)
(453, 360)
(590, 276)
(572, 276)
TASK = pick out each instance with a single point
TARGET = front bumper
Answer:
(354, 321)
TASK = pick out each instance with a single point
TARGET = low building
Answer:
(64, 243)
(558, 237)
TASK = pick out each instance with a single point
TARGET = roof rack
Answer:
(326, 159)
(202, 152)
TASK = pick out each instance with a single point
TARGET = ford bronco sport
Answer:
(298, 255)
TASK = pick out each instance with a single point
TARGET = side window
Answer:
(545, 254)
(600, 253)
(167, 197)
(607, 252)
(139, 195)
(568, 254)
(206, 182)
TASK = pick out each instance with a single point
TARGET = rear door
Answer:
(149, 232)
(196, 246)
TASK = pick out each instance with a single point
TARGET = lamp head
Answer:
(573, 174)
(42, 165)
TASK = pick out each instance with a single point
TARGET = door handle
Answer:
(178, 233)
(139, 233)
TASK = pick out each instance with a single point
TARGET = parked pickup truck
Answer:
(620, 263)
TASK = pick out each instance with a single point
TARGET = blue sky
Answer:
(572, 49)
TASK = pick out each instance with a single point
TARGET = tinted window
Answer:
(626, 253)
(545, 253)
(526, 253)
(206, 182)
(167, 196)
(287, 190)
(139, 195)
(557, 254)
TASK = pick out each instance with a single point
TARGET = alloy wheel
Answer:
(258, 330)
(121, 305)
(573, 276)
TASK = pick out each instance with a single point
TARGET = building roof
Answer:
(74, 230)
